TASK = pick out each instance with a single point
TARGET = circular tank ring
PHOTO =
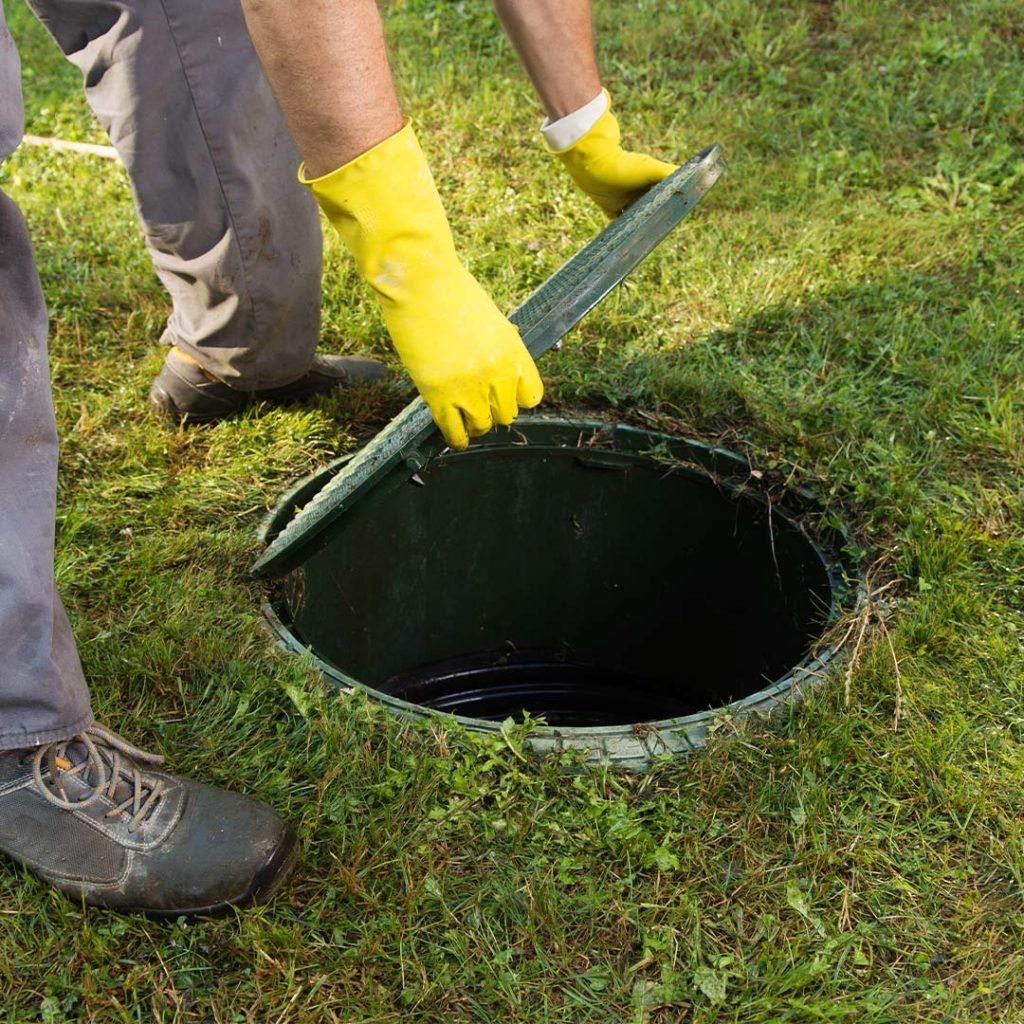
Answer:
(630, 744)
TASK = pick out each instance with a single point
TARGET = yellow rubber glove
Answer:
(613, 177)
(466, 359)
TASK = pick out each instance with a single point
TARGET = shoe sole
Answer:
(164, 408)
(265, 882)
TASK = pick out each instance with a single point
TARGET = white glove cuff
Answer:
(568, 130)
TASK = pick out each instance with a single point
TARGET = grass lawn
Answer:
(846, 306)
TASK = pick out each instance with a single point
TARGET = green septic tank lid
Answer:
(552, 310)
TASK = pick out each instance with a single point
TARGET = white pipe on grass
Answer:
(106, 152)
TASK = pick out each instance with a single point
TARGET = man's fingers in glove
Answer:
(477, 417)
(530, 389)
(627, 177)
(646, 170)
(449, 420)
(504, 408)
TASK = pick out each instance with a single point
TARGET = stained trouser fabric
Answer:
(232, 235)
(43, 695)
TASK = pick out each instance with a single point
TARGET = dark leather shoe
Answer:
(184, 391)
(94, 817)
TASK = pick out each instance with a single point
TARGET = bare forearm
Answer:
(327, 64)
(555, 42)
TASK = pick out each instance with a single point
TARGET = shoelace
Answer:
(108, 759)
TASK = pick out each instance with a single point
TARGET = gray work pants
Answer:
(43, 695)
(232, 234)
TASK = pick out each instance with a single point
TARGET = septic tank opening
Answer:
(590, 575)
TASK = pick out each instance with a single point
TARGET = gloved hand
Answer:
(613, 177)
(466, 359)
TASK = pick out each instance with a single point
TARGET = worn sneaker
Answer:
(184, 391)
(96, 818)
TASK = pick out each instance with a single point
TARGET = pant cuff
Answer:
(24, 738)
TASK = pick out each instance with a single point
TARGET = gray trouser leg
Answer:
(233, 236)
(43, 695)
